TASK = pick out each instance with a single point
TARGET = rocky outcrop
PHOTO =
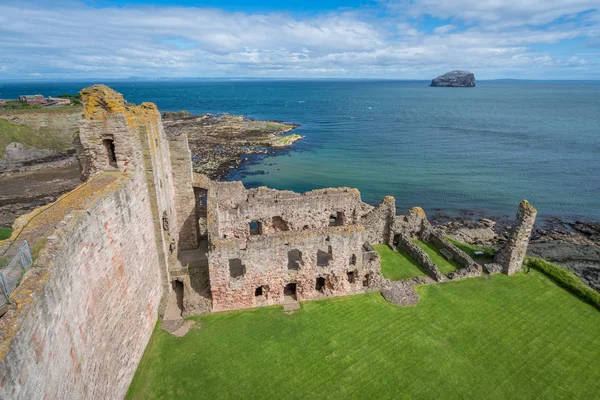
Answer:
(220, 143)
(455, 78)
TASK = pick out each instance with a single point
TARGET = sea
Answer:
(453, 151)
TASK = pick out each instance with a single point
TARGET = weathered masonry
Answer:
(144, 237)
(266, 245)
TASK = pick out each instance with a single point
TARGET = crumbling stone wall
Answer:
(277, 210)
(511, 256)
(185, 201)
(413, 223)
(86, 312)
(266, 265)
(313, 240)
(379, 221)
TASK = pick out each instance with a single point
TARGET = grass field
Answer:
(470, 249)
(397, 265)
(42, 138)
(516, 337)
(444, 265)
(5, 233)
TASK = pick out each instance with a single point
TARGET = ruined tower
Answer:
(511, 257)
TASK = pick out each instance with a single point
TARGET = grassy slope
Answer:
(397, 266)
(42, 138)
(5, 233)
(507, 337)
(470, 249)
(445, 266)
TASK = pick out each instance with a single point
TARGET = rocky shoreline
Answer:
(221, 143)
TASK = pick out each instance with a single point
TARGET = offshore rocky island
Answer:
(456, 78)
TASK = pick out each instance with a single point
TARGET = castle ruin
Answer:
(145, 237)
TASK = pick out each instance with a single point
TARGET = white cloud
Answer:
(74, 40)
(444, 29)
(496, 12)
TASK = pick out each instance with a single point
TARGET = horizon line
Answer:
(250, 78)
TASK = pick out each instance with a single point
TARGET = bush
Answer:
(565, 279)
(5, 233)
(75, 99)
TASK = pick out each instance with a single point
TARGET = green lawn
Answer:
(470, 249)
(5, 233)
(516, 337)
(397, 265)
(444, 265)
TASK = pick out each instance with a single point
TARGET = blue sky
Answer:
(398, 39)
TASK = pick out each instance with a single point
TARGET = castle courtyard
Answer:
(517, 336)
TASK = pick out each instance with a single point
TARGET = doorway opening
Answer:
(320, 284)
(290, 290)
(178, 289)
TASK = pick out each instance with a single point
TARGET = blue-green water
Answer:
(480, 149)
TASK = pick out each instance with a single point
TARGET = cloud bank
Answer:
(394, 39)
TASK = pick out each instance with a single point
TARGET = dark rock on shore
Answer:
(455, 78)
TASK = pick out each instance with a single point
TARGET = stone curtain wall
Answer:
(88, 323)
(379, 221)
(140, 142)
(511, 257)
(265, 263)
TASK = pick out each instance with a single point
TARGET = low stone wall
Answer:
(406, 244)
(469, 267)
(82, 316)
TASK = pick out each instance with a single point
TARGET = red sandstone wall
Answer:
(96, 303)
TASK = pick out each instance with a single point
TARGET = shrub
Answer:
(565, 279)
(5, 233)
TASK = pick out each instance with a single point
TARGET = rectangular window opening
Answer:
(351, 276)
(255, 228)
(236, 268)
(294, 259)
(320, 284)
(111, 155)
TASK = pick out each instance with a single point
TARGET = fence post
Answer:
(4, 286)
